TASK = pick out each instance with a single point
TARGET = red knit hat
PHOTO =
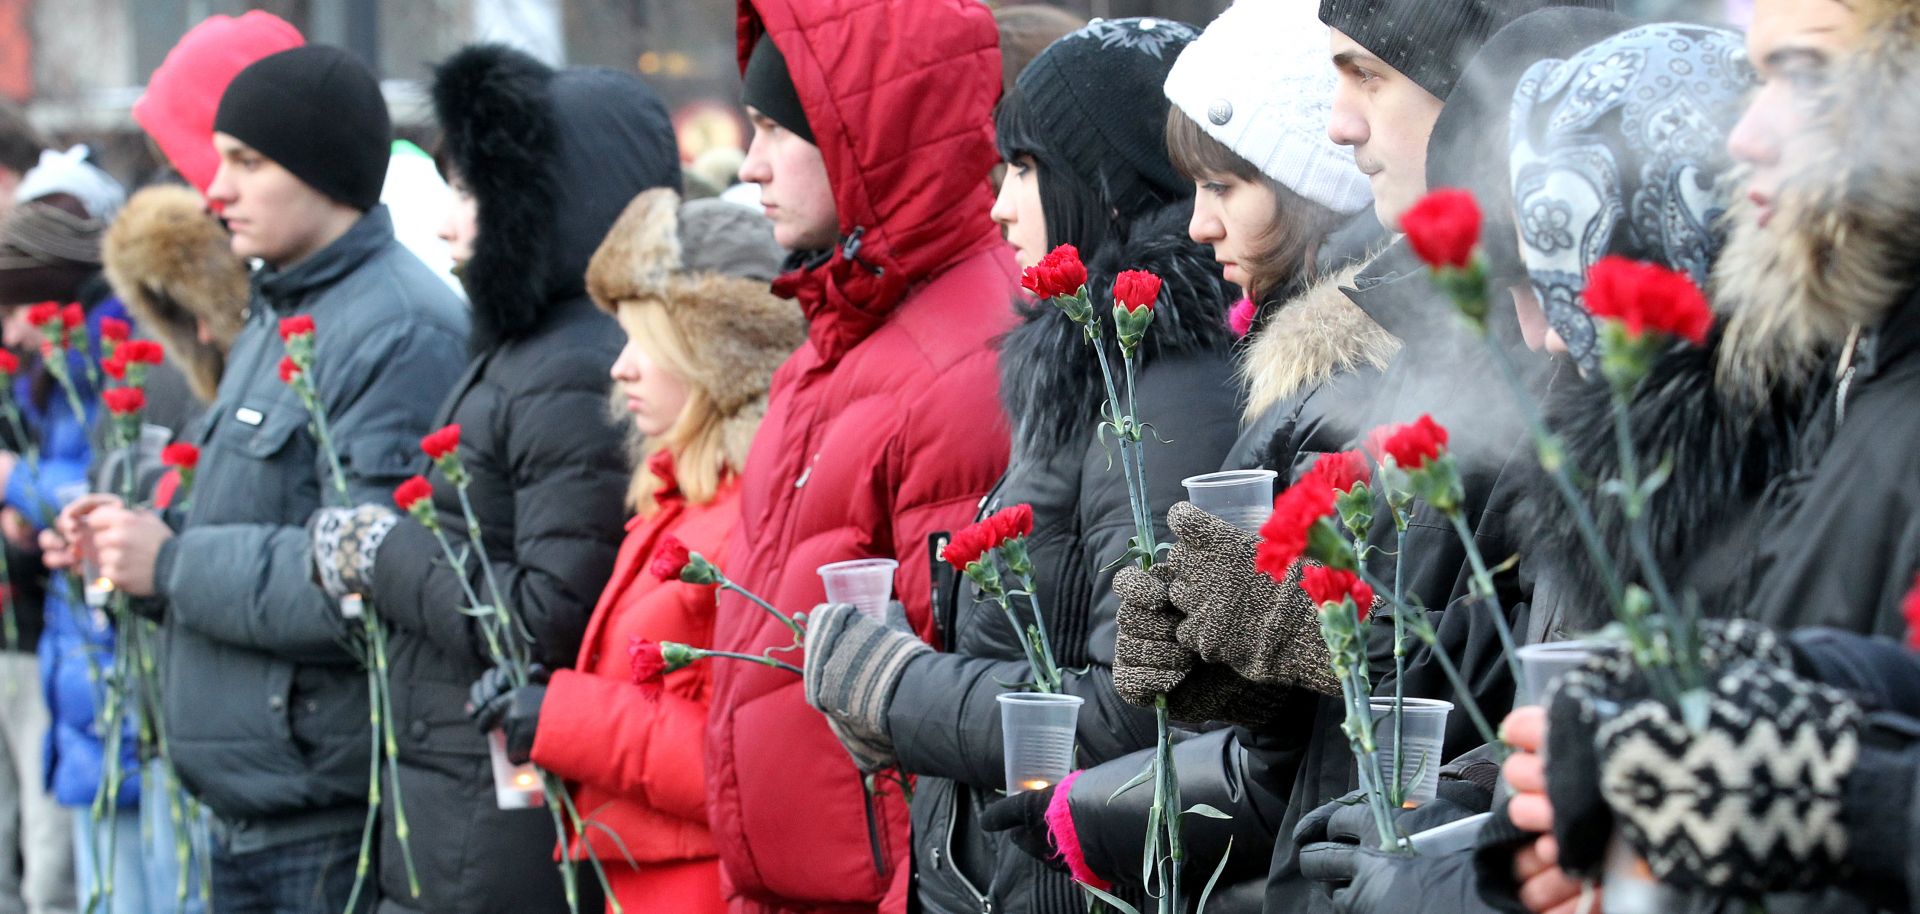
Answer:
(178, 106)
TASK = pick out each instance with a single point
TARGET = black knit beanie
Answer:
(769, 89)
(1097, 104)
(1430, 41)
(317, 112)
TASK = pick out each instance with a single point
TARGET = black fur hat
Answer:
(551, 157)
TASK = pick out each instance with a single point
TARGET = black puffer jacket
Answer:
(944, 719)
(552, 159)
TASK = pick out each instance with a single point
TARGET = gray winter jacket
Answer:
(266, 705)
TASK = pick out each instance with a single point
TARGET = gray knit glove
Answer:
(1147, 660)
(345, 543)
(1236, 616)
(853, 666)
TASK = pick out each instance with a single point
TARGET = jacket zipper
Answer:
(946, 850)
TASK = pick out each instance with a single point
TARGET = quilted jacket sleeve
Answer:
(563, 462)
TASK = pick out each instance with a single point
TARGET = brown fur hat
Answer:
(709, 262)
(170, 261)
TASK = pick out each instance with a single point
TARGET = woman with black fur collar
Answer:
(550, 158)
(1086, 165)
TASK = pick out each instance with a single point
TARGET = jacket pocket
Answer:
(943, 885)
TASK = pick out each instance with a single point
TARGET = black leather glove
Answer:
(1022, 817)
(1385, 883)
(1333, 838)
(494, 703)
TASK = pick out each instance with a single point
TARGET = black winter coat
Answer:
(548, 463)
(944, 719)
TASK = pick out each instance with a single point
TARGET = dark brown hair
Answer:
(1281, 262)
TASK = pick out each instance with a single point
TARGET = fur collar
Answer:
(1316, 335)
(1049, 376)
(1723, 451)
(1838, 253)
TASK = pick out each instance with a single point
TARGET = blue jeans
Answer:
(162, 860)
(129, 884)
(306, 877)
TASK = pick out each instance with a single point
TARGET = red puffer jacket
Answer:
(884, 428)
(634, 753)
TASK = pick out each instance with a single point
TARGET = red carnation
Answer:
(649, 661)
(1410, 446)
(1645, 296)
(289, 369)
(1058, 273)
(412, 492)
(180, 454)
(670, 559)
(968, 545)
(1331, 585)
(1910, 608)
(1013, 523)
(1341, 471)
(1284, 536)
(115, 367)
(73, 316)
(441, 442)
(297, 325)
(43, 313)
(9, 363)
(1136, 289)
(124, 401)
(146, 352)
(1443, 228)
(115, 329)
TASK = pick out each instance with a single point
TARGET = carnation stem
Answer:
(799, 634)
(752, 658)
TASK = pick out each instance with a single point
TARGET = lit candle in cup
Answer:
(1035, 784)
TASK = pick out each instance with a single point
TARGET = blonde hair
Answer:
(697, 439)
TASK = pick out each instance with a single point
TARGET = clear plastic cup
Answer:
(514, 786)
(866, 583)
(1243, 498)
(1037, 729)
(1541, 664)
(1423, 726)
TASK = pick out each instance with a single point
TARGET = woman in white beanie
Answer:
(1285, 210)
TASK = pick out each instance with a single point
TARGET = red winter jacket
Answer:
(882, 429)
(633, 753)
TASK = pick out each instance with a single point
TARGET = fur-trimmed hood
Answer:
(172, 264)
(551, 157)
(1838, 253)
(708, 263)
(1049, 376)
(1309, 339)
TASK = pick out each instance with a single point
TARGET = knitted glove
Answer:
(1236, 616)
(345, 543)
(853, 666)
(1749, 803)
(1147, 661)
(494, 703)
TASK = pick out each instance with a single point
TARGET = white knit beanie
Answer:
(1260, 81)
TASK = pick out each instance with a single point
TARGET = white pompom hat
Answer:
(1259, 81)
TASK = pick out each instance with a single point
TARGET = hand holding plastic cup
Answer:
(865, 583)
(514, 786)
(1423, 728)
(1243, 498)
(1037, 730)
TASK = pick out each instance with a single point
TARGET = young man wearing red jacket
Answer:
(883, 429)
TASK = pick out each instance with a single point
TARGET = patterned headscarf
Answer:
(1618, 150)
